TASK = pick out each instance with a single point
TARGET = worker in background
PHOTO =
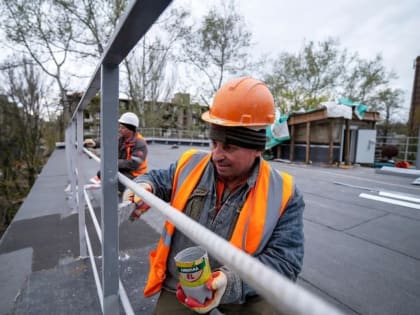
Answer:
(132, 149)
(234, 193)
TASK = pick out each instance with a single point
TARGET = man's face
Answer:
(124, 132)
(232, 162)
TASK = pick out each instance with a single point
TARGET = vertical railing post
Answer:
(67, 143)
(70, 154)
(80, 184)
(109, 182)
(407, 140)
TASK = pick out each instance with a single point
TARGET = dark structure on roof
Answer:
(414, 118)
(316, 136)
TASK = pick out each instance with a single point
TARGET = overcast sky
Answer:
(369, 27)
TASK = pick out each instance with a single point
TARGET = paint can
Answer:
(194, 271)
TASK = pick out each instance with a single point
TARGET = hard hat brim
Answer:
(206, 116)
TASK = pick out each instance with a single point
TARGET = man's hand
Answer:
(141, 206)
(217, 283)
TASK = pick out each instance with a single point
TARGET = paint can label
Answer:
(193, 267)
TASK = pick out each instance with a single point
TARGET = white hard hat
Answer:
(129, 119)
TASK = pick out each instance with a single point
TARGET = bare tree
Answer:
(37, 29)
(145, 70)
(217, 47)
(95, 21)
(25, 88)
(22, 151)
(148, 67)
(22, 103)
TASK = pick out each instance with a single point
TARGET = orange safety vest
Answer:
(253, 228)
(143, 166)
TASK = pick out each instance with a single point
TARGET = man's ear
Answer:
(258, 153)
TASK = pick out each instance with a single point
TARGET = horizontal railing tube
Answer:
(283, 294)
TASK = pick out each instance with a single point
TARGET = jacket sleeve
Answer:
(284, 251)
(138, 156)
(160, 180)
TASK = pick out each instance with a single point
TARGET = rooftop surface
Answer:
(362, 255)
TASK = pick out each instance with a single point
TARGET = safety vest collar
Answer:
(269, 195)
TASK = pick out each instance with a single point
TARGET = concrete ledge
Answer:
(398, 171)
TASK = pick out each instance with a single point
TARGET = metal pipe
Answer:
(109, 195)
(95, 270)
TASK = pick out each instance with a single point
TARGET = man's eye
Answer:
(229, 147)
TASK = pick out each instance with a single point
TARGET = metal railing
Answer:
(133, 25)
(171, 133)
(286, 296)
(407, 147)
(175, 136)
(125, 302)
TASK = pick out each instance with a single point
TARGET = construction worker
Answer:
(236, 194)
(132, 149)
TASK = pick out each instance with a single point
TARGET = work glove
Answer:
(90, 143)
(217, 284)
(141, 206)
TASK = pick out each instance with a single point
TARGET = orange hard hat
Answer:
(243, 102)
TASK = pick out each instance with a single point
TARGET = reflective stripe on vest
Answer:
(142, 168)
(159, 256)
(262, 208)
(253, 228)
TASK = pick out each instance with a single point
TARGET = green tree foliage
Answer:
(12, 186)
(398, 128)
(387, 101)
(307, 78)
(26, 90)
(22, 152)
(218, 46)
(323, 71)
(365, 80)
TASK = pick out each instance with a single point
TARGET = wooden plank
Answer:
(331, 144)
(347, 146)
(318, 114)
(292, 143)
(308, 142)
(371, 116)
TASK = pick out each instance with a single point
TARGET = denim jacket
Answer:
(283, 252)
